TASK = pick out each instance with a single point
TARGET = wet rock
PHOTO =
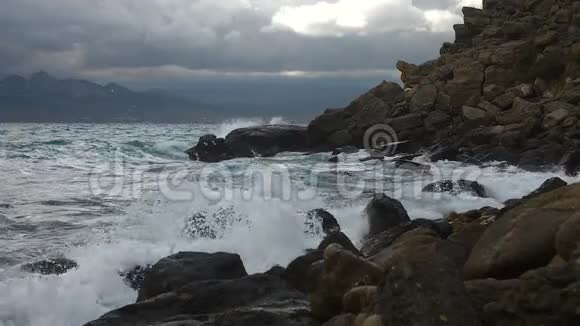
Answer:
(321, 220)
(377, 243)
(422, 286)
(342, 271)
(572, 163)
(175, 271)
(339, 238)
(333, 159)
(253, 300)
(384, 213)
(210, 148)
(6, 206)
(456, 187)
(297, 272)
(250, 142)
(135, 276)
(54, 266)
(548, 185)
(523, 237)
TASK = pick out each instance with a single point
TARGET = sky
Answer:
(163, 43)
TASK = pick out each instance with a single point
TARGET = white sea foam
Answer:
(268, 232)
(226, 127)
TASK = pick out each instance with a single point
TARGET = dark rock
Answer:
(135, 276)
(321, 220)
(549, 185)
(375, 244)
(423, 286)
(384, 213)
(175, 271)
(345, 150)
(456, 187)
(572, 163)
(250, 142)
(252, 300)
(333, 159)
(339, 238)
(449, 153)
(56, 266)
(6, 206)
(297, 271)
(209, 148)
(276, 271)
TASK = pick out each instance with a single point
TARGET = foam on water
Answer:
(265, 231)
(226, 127)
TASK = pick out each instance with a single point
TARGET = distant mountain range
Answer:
(44, 98)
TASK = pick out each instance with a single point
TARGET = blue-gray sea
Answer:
(114, 196)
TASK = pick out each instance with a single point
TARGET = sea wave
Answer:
(228, 126)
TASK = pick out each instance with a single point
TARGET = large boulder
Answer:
(265, 141)
(377, 243)
(342, 271)
(253, 300)
(175, 271)
(423, 286)
(384, 213)
(523, 237)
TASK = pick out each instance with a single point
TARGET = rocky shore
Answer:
(515, 266)
(507, 89)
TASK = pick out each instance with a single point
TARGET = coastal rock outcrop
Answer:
(507, 89)
(523, 237)
(263, 141)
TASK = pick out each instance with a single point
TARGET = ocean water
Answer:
(114, 196)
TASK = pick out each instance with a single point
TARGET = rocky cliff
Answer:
(507, 89)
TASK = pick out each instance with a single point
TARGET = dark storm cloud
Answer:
(100, 37)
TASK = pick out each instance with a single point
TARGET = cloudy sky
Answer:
(172, 41)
